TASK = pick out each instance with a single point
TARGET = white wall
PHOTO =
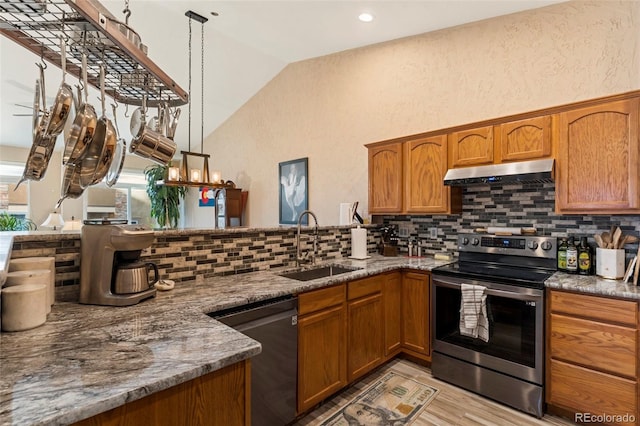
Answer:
(328, 108)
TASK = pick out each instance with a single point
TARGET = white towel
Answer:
(474, 321)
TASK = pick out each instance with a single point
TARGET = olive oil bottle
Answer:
(584, 257)
(572, 257)
(562, 255)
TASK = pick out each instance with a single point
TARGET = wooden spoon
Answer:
(599, 241)
(616, 237)
(606, 238)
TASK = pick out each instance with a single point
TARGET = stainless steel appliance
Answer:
(273, 323)
(509, 366)
(110, 268)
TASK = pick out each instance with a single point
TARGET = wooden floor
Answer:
(452, 406)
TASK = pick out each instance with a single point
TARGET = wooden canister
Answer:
(31, 263)
(23, 306)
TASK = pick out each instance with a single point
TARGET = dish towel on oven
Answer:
(473, 312)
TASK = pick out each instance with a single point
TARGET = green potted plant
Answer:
(13, 223)
(165, 200)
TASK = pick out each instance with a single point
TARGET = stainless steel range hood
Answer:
(522, 171)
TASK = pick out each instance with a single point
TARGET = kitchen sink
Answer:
(313, 273)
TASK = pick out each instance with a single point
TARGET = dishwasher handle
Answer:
(293, 314)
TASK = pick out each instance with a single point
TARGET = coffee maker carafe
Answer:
(111, 272)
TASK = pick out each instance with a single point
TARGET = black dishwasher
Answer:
(274, 371)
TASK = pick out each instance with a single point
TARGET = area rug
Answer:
(392, 400)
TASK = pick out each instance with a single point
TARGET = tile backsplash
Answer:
(514, 205)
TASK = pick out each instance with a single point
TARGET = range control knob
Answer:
(532, 245)
(475, 242)
(465, 241)
(546, 245)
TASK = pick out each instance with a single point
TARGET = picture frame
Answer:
(293, 183)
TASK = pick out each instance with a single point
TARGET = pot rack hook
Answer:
(126, 110)
(127, 12)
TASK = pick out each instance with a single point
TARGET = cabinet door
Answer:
(392, 297)
(425, 163)
(385, 178)
(322, 359)
(415, 312)
(366, 335)
(525, 139)
(471, 147)
(586, 391)
(597, 167)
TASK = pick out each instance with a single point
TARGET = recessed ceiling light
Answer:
(365, 17)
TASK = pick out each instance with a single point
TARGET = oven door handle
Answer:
(489, 291)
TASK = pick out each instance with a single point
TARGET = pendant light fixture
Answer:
(185, 176)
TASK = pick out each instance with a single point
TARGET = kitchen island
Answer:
(89, 359)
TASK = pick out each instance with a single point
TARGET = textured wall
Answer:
(327, 108)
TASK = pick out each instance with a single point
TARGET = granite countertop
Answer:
(593, 284)
(88, 359)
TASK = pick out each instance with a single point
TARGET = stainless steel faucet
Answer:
(304, 258)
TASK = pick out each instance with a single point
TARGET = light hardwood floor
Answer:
(452, 406)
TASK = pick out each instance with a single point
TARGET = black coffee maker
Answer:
(389, 244)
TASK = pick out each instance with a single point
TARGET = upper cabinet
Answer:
(385, 178)
(597, 162)
(407, 175)
(425, 161)
(471, 147)
(520, 140)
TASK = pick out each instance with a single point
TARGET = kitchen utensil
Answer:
(154, 146)
(599, 241)
(84, 125)
(42, 114)
(118, 155)
(174, 124)
(71, 187)
(606, 238)
(97, 160)
(64, 99)
(135, 277)
(138, 118)
(616, 237)
(635, 272)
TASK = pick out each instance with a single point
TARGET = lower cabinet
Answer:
(365, 322)
(392, 301)
(322, 345)
(592, 357)
(415, 313)
(220, 398)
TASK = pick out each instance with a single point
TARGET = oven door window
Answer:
(512, 326)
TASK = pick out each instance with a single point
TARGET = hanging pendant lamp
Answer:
(195, 177)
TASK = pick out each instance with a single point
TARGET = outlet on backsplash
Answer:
(403, 231)
(433, 233)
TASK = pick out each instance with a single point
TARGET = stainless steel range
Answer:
(487, 312)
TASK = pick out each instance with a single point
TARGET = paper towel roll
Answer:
(345, 213)
(359, 243)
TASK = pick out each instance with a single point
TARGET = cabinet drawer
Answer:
(599, 308)
(606, 347)
(586, 391)
(364, 287)
(316, 300)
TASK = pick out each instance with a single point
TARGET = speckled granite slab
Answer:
(88, 359)
(593, 284)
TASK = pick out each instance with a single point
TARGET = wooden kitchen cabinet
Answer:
(597, 161)
(220, 398)
(406, 175)
(415, 313)
(425, 164)
(385, 178)
(471, 147)
(392, 297)
(365, 323)
(528, 139)
(322, 344)
(592, 354)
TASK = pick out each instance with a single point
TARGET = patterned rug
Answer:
(393, 400)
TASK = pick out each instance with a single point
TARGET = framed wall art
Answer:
(294, 190)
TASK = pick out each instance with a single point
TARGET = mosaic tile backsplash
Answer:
(189, 256)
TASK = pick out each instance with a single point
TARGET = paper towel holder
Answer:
(360, 233)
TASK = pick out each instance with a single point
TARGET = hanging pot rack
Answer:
(89, 27)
